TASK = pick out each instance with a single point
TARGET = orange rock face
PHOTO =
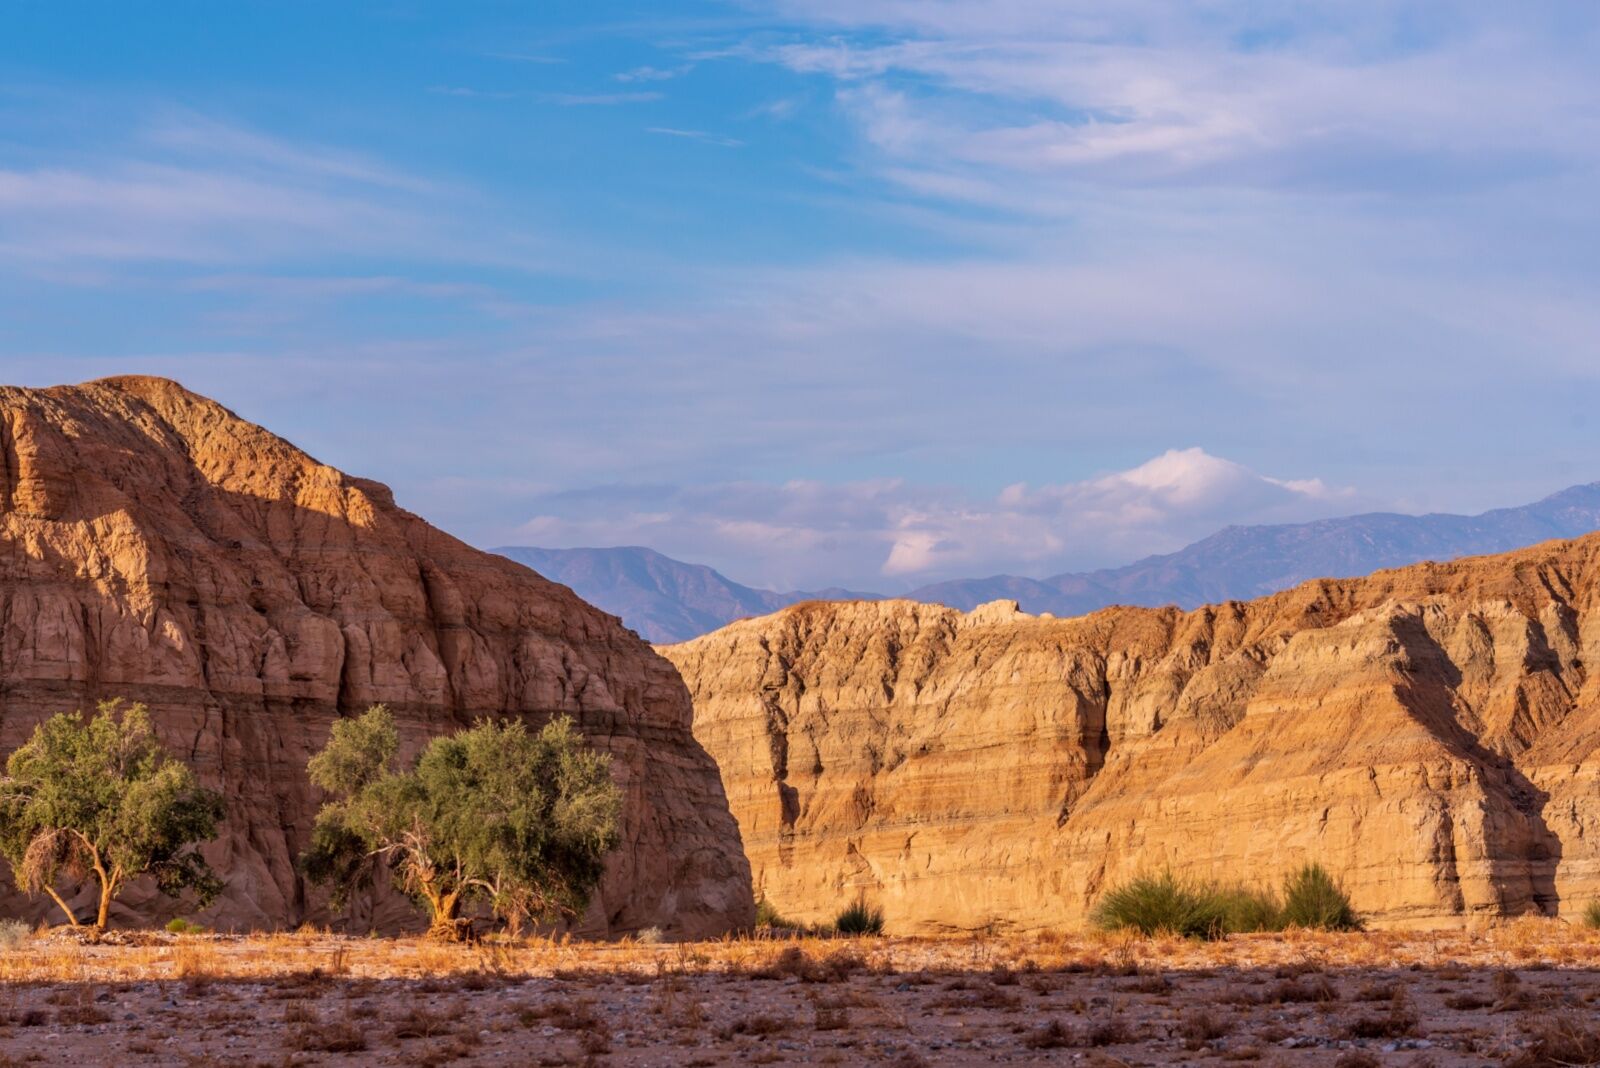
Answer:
(1429, 734)
(156, 547)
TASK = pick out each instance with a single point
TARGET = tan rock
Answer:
(156, 547)
(1429, 734)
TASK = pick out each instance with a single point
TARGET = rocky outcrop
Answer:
(1429, 733)
(156, 547)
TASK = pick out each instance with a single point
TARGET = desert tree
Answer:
(101, 799)
(495, 816)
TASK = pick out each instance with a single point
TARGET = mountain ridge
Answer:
(1430, 733)
(1238, 562)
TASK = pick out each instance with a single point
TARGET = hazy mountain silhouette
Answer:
(666, 600)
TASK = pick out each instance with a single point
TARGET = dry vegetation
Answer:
(1525, 994)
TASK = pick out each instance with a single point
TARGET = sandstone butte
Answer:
(1429, 734)
(154, 546)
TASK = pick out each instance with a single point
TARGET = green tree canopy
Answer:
(495, 815)
(103, 799)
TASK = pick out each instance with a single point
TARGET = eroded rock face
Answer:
(1430, 734)
(156, 547)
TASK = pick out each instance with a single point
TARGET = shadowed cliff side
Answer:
(155, 546)
(1429, 732)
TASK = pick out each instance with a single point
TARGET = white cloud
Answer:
(1365, 96)
(889, 532)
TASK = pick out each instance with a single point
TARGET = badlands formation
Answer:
(156, 547)
(1428, 734)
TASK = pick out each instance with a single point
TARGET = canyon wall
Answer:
(156, 547)
(1429, 734)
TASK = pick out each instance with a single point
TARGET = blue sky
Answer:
(870, 292)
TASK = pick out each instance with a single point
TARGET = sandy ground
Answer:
(1527, 994)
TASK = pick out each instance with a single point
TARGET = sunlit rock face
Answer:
(1429, 734)
(154, 546)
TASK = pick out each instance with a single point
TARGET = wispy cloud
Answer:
(572, 100)
(464, 91)
(697, 135)
(1363, 99)
(784, 107)
(653, 74)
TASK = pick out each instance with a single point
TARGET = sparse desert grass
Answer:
(1591, 915)
(309, 997)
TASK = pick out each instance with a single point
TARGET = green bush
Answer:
(1591, 915)
(859, 919)
(1164, 904)
(767, 915)
(1245, 911)
(180, 926)
(1313, 898)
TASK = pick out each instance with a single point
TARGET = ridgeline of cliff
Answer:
(1430, 734)
(156, 547)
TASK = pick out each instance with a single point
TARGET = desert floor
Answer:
(1526, 994)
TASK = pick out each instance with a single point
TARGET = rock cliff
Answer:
(155, 546)
(1429, 733)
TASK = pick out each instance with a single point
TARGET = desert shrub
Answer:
(767, 915)
(13, 933)
(1153, 904)
(180, 926)
(101, 800)
(1591, 915)
(1312, 898)
(651, 936)
(1245, 910)
(859, 919)
(497, 815)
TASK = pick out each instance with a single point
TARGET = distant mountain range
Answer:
(666, 600)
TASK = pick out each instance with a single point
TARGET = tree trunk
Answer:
(107, 889)
(447, 926)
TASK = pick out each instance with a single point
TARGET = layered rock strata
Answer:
(156, 547)
(1429, 734)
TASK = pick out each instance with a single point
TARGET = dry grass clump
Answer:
(420, 1023)
(1201, 1027)
(1399, 1021)
(1112, 1030)
(793, 962)
(14, 934)
(1558, 1040)
(327, 1037)
(1053, 1034)
(1313, 988)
